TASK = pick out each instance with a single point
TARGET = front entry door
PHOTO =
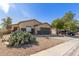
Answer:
(33, 31)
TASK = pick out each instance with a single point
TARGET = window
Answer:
(28, 29)
(23, 29)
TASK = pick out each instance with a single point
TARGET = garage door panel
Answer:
(44, 31)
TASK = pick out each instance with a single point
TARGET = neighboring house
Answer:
(33, 26)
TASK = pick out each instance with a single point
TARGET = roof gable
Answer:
(32, 20)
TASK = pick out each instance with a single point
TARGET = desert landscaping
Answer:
(43, 43)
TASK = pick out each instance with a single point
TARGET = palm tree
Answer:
(7, 22)
(1, 35)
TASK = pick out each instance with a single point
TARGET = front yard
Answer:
(43, 43)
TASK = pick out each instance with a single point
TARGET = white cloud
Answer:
(4, 5)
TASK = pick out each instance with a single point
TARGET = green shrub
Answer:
(19, 38)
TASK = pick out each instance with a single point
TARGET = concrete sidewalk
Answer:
(63, 49)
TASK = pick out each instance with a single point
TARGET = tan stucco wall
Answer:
(53, 31)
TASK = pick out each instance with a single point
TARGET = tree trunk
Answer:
(57, 32)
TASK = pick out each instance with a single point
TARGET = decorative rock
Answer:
(6, 43)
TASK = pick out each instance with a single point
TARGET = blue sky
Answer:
(44, 12)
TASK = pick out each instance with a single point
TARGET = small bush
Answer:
(19, 38)
(1, 35)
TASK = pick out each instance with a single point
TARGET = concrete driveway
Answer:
(68, 48)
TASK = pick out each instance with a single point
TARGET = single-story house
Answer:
(33, 26)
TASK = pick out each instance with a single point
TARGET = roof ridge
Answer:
(29, 20)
